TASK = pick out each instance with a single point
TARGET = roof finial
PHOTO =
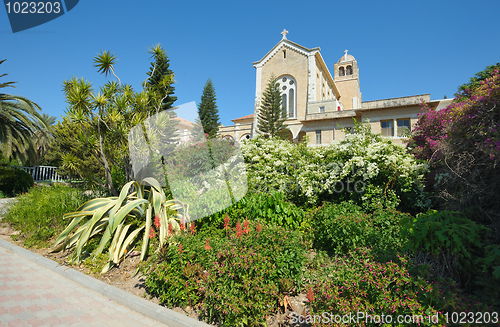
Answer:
(345, 56)
(284, 33)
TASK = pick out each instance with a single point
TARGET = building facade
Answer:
(322, 105)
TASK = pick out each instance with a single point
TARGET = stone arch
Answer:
(245, 137)
(301, 136)
(348, 70)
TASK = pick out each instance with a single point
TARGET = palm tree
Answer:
(19, 118)
(43, 136)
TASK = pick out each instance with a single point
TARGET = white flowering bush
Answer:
(364, 167)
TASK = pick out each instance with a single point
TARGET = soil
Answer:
(123, 277)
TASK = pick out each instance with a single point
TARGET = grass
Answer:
(38, 214)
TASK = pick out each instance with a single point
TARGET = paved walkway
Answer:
(34, 291)
(34, 296)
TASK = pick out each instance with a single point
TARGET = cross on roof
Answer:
(284, 33)
(345, 52)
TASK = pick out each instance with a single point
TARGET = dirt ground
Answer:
(123, 276)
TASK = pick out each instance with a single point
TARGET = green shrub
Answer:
(14, 181)
(340, 228)
(452, 239)
(38, 214)
(357, 282)
(236, 275)
(270, 207)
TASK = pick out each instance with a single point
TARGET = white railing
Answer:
(45, 174)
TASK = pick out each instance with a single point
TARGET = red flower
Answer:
(310, 295)
(180, 249)
(157, 221)
(246, 225)
(170, 229)
(152, 233)
(226, 222)
(183, 223)
(192, 228)
(259, 228)
(207, 246)
(238, 230)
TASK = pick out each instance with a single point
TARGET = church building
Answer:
(321, 103)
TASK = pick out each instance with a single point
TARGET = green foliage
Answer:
(160, 76)
(357, 282)
(445, 234)
(475, 81)
(208, 111)
(111, 218)
(271, 116)
(19, 119)
(105, 117)
(14, 181)
(340, 228)
(38, 214)
(270, 207)
(233, 274)
(75, 156)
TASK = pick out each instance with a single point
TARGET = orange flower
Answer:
(192, 229)
(152, 233)
(239, 231)
(157, 221)
(226, 222)
(246, 227)
(310, 295)
(207, 246)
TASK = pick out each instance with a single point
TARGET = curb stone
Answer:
(151, 310)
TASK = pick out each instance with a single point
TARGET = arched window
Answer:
(341, 71)
(283, 102)
(349, 70)
(288, 88)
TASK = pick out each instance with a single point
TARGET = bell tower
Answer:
(346, 78)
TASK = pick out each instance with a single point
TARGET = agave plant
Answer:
(109, 219)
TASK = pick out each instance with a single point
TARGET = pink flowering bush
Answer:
(462, 145)
(358, 282)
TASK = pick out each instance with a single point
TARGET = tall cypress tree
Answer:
(271, 116)
(208, 111)
(161, 77)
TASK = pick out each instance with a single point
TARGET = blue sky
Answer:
(402, 47)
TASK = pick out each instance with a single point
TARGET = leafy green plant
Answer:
(444, 234)
(14, 181)
(38, 214)
(342, 227)
(111, 219)
(270, 207)
(236, 275)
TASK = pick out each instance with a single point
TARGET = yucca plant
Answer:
(110, 219)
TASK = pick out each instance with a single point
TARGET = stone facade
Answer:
(321, 105)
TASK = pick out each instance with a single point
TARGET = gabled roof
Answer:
(247, 117)
(184, 123)
(289, 44)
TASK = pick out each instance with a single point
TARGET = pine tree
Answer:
(161, 77)
(208, 111)
(271, 116)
